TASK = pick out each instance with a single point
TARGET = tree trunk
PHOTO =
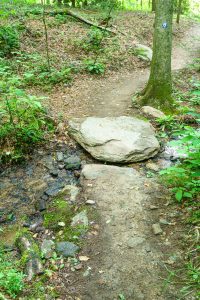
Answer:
(73, 3)
(85, 3)
(153, 5)
(179, 12)
(158, 92)
(59, 2)
(141, 4)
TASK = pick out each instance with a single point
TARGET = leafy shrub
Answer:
(11, 279)
(42, 76)
(23, 123)
(184, 178)
(94, 67)
(9, 40)
(93, 39)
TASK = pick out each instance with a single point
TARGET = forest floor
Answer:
(121, 256)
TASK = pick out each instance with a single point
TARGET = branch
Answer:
(81, 19)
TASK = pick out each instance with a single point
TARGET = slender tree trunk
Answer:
(179, 12)
(141, 4)
(158, 92)
(85, 3)
(73, 3)
(46, 36)
(153, 5)
(59, 2)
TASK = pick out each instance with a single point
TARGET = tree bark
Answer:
(179, 12)
(158, 92)
(73, 3)
(153, 5)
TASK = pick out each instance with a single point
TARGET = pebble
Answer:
(153, 167)
(42, 204)
(59, 156)
(90, 202)
(148, 249)
(61, 166)
(54, 173)
(164, 222)
(157, 229)
(152, 207)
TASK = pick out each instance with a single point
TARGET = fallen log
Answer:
(30, 255)
(81, 19)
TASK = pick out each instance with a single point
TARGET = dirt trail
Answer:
(114, 98)
(127, 258)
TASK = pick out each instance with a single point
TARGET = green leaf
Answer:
(179, 195)
(187, 195)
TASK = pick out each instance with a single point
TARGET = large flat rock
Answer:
(117, 139)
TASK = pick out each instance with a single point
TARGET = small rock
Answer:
(164, 222)
(62, 224)
(42, 204)
(40, 229)
(83, 258)
(152, 207)
(66, 249)
(54, 173)
(90, 202)
(152, 112)
(47, 248)
(61, 167)
(78, 267)
(33, 227)
(153, 167)
(44, 197)
(72, 191)
(72, 163)
(148, 249)
(156, 229)
(59, 156)
(80, 219)
(134, 241)
(77, 173)
(55, 189)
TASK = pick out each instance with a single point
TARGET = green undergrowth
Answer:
(11, 276)
(183, 178)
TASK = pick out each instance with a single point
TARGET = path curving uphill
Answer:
(134, 246)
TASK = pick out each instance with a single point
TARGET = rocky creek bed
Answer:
(39, 201)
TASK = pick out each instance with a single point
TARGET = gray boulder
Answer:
(118, 139)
